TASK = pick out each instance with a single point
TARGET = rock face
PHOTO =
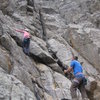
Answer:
(59, 29)
(89, 42)
(12, 88)
(63, 52)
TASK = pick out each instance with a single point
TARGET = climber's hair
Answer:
(75, 57)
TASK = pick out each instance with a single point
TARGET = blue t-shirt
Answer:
(77, 67)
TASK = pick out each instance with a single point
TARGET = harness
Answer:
(82, 77)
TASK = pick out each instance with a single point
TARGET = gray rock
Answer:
(3, 4)
(91, 87)
(22, 66)
(91, 84)
(40, 42)
(10, 6)
(47, 19)
(62, 52)
(56, 68)
(12, 88)
(1, 29)
(54, 83)
(40, 53)
(8, 42)
(89, 42)
(5, 60)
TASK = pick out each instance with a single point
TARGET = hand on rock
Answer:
(65, 71)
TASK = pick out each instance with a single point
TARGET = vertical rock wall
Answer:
(53, 43)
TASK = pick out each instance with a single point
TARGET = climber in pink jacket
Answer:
(26, 40)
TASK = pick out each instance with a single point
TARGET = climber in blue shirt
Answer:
(76, 66)
(79, 79)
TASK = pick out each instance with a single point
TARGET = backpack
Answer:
(84, 81)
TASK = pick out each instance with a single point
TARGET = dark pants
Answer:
(78, 84)
(26, 44)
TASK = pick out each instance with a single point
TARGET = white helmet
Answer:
(27, 30)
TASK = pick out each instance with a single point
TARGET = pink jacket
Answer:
(26, 34)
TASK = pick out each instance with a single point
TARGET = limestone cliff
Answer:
(59, 29)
